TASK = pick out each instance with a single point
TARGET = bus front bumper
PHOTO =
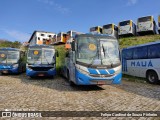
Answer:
(83, 79)
(32, 73)
(9, 70)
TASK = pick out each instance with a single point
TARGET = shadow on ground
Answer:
(57, 83)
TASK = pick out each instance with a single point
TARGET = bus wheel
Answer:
(152, 77)
(69, 80)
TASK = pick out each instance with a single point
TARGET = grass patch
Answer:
(133, 78)
(131, 41)
(61, 59)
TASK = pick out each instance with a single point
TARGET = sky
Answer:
(20, 18)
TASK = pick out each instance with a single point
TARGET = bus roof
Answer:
(126, 20)
(146, 16)
(111, 24)
(146, 44)
(97, 35)
(41, 46)
(96, 26)
(9, 48)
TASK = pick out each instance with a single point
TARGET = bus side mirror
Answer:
(57, 54)
(73, 45)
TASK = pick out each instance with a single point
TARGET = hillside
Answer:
(6, 43)
(131, 41)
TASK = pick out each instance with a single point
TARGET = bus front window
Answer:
(41, 56)
(109, 52)
(97, 51)
(9, 57)
(145, 19)
(13, 57)
(48, 56)
(3, 56)
(34, 56)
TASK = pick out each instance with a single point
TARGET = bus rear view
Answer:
(146, 25)
(97, 29)
(110, 29)
(41, 61)
(127, 28)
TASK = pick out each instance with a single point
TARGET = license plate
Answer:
(5, 71)
(101, 82)
(40, 74)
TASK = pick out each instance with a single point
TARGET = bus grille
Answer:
(41, 68)
(103, 76)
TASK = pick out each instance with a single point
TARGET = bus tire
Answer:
(152, 77)
(69, 80)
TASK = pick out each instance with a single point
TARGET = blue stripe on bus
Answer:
(111, 71)
(103, 72)
(92, 71)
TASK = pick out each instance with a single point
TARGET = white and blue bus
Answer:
(142, 61)
(127, 28)
(12, 60)
(41, 61)
(146, 25)
(110, 29)
(159, 24)
(93, 60)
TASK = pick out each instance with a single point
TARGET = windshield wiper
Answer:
(107, 56)
(46, 59)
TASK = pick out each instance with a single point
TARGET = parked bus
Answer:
(142, 61)
(97, 29)
(61, 37)
(146, 25)
(41, 61)
(127, 28)
(159, 24)
(110, 29)
(93, 60)
(12, 60)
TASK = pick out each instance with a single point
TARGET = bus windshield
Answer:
(97, 51)
(9, 57)
(124, 23)
(107, 26)
(144, 19)
(41, 56)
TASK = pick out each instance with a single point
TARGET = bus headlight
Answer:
(15, 65)
(29, 68)
(52, 69)
(83, 71)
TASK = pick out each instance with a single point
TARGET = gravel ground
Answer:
(18, 92)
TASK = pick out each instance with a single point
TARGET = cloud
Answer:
(20, 36)
(131, 2)
(55, 5)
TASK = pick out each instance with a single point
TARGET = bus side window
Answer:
(154, 51)
(140, 53)
(127, 54)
